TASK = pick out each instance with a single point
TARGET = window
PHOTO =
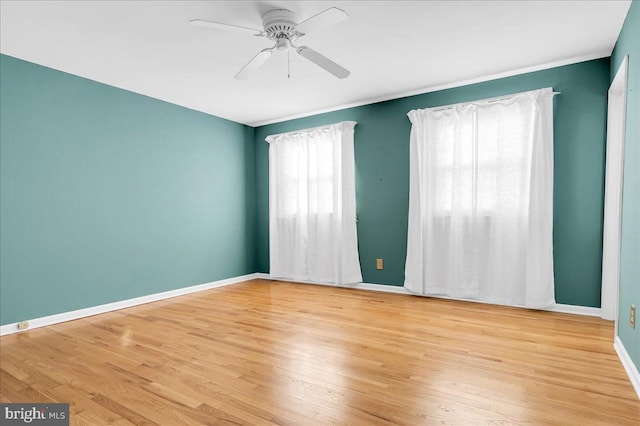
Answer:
(477, 160)
(307, 173)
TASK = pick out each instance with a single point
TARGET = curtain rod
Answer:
(485, 101)
(490, 101)
(312, 129)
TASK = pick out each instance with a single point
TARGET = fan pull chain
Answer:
(288, 63)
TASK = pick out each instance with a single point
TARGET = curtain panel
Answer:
(312, 205)
(481, 201)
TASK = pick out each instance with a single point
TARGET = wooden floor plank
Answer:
(268, 352)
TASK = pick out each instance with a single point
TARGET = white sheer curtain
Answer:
(312, 205)
(481, 201)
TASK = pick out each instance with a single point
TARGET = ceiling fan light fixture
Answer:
(282, 44)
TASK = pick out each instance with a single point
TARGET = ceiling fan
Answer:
(283, 27)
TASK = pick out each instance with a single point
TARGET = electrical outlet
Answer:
(23, 325)
(379, 264)
(632, 316)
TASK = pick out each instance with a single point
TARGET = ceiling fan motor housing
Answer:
(280, 23)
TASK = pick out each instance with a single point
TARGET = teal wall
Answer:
(108, 195)
(629, 44)
(382, 174)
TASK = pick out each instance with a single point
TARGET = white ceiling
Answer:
(392, 48)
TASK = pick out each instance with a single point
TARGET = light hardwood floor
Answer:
(265, 352)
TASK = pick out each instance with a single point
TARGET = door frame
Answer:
(616, 125)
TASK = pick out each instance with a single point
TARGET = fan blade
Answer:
(323, 62)
(322, 20)
(226, 27)
(255, 63)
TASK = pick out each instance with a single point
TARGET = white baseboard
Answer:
(574, 309)
(362, 286)
(100, 309)
(629, 366)
(261, 276)
(94, 310)
(566, 309)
